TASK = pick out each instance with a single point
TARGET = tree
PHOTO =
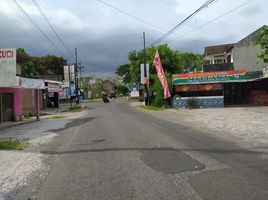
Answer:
(46, 65)
(85, 85)
(24, 60)
(51, 64)
(124, 72)
(262, 40)
(192, 62)
(29, 68)
(157, 91)
(96, 89)
(173, 62)
(22, 56)
(122, 89)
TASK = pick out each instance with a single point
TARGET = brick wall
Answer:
(27, 101)
(258, 97)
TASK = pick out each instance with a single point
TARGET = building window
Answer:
(218, 61)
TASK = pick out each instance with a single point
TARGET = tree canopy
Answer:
(172, 61)
(46, 65)
(262, 40)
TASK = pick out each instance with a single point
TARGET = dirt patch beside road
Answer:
(248, 126)
(17, 167)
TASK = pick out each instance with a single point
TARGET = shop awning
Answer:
(30, 83)
(54, 86)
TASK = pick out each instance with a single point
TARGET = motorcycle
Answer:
(105, 98)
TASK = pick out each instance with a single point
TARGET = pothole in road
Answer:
(170, 161)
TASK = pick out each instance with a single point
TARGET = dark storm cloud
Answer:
(105, 36)
(111, 50)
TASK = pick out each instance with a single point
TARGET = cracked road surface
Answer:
(119, 153)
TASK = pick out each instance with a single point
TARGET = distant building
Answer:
(237, 56)
(109, 87)
(219, 54)
(245, 54)
(218, 58)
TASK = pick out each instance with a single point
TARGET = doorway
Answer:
(6, 107)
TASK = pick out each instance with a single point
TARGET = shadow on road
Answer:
(74, 123)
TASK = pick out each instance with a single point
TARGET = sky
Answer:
(104, 36)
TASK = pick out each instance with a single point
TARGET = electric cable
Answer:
(132, 16)
(205, 5)
(38, 28)
(51, 26)
(216, 18)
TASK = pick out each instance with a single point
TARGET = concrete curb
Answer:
(14, 124)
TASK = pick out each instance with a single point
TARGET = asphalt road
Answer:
(117, 152)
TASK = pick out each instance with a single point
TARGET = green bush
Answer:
(122, 90)
(192, 103)
(158, 93)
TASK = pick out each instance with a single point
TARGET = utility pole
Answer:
(80, 73)
(70, 86)
(145, 72)
(76, 77)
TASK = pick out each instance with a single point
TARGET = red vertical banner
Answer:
(161, 75)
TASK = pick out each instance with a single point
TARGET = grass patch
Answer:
(75, 109)
(28, 115)
(57, 117)
(11, 145)
(155, 108)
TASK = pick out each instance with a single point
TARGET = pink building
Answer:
(11, 98)
(10, 104)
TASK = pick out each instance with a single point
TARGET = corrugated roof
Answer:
(218, 49)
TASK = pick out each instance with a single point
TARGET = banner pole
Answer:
(145, 72)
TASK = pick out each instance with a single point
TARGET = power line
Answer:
(10, 19)
(52, 28)
(132, 16)
(19, 12)
(216, 18)
(18, 25)
(38, 28)
(206, 4)
(139, 19)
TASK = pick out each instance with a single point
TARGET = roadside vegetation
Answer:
(28, 115)
(57, 117)
(75, 109)
(12, 145)
(173, 62)
(33, 65)
(262, 40)
(154, 108)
